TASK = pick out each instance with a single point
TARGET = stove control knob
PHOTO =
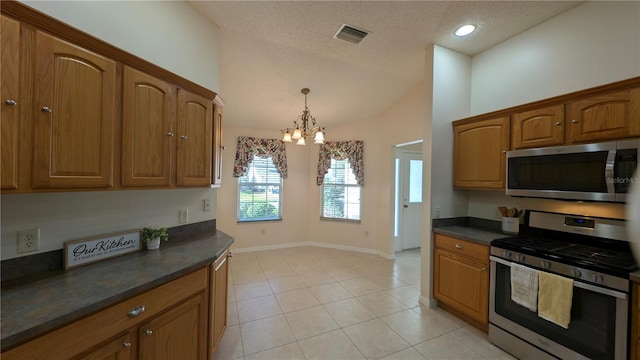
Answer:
(506, 254)
(598, 278)
(577, 272)
(520, 257)
(545, 264)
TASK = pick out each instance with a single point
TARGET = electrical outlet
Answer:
(183, 216)
(206, 207)
(28, 240)
(437, 212)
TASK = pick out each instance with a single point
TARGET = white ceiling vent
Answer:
(351, 34)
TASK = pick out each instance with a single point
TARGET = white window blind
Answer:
(260, 192)
(340, 193)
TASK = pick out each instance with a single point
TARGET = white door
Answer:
(411, 199)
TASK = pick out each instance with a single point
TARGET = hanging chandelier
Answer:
(303, 126)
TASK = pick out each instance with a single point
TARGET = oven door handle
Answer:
(578, 284)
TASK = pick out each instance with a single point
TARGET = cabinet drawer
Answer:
(83, 334)
(476, 251)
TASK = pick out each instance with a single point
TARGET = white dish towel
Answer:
(524, 286)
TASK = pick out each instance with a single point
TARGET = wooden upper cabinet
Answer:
(10, 97)
(538, 128)
(195, 122)
(604, 117)
(75, 116)
(148, 129)
(479, 153)
(216, 172)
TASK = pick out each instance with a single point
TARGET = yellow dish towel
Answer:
(554, 298)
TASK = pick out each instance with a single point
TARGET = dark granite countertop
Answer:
(40, 304)
(476, 230)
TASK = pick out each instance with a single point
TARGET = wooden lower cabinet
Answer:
(119, 349)
(218, 292)
(180, 333)
(167, 322)
(461, 279)
(634, 339)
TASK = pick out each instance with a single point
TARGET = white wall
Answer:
(593, 44)
(170, 34)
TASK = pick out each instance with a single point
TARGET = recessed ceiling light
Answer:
(465, 30)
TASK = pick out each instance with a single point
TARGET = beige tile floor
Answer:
(317, 303)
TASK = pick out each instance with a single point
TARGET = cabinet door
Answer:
(195, 118)
(180, 333)
(216, 178)
(118, 349)
(219, 275)
(605, 117)
(462, 283)
(10, 86)
(147, 129)
(479, 154)
(538, 128)
(74, 116)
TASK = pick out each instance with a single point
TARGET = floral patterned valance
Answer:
(249, 146)
(341, 150)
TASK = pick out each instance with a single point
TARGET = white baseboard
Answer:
(430, 303)
(315, 244)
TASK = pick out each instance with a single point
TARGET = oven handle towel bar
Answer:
(576, 283)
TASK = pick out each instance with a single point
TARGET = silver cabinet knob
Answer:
(223, 147)
(136, 311)
(46, 109)
(170, 133)
(126, 344)
(558, 123)
(11, 102)
(230, 254)
(183, 137)
(574, 121)
(148, 332)
(458, 246)
(504, 151)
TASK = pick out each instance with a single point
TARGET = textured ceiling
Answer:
(271, 49)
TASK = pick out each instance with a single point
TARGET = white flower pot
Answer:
(153, 244)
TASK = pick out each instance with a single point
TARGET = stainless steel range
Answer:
(591, 251)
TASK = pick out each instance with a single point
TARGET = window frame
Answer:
(268, 164)
(353, 184)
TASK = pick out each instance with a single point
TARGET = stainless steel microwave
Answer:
(590, 172)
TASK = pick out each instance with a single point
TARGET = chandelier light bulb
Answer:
(297, 134)
(301, 141)
(287, 137)
(319, 139)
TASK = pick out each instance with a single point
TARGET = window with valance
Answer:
(250, 146)
(342, 150)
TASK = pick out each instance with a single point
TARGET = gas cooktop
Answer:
(605, 256)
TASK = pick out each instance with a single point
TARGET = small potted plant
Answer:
(152, 236)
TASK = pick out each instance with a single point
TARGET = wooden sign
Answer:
(86, 251)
